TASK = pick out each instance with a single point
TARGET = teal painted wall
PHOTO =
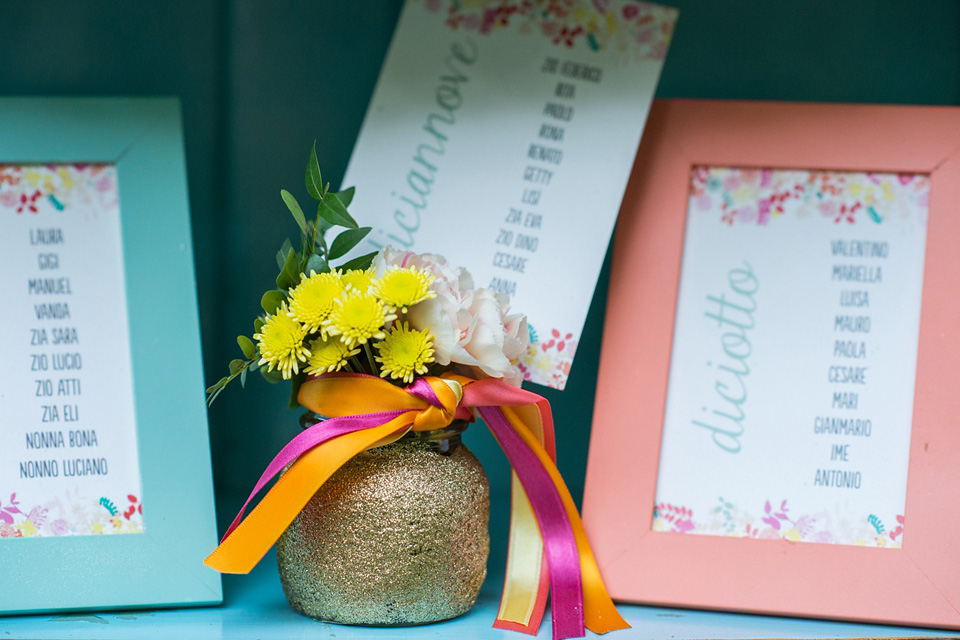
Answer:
(259, 80)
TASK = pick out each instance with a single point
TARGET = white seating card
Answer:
(501, 135)
(68, 448)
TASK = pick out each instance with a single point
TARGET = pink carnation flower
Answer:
(471, 327)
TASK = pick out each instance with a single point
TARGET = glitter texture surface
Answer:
(397, 536)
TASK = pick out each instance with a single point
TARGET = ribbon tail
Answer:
(526, 582)
(527, 579)
(243, 548)
(559, 543)
(600, 614)
(303, 442)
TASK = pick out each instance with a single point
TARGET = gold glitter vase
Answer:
(397, 536)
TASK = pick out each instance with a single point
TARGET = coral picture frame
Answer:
(916, 584)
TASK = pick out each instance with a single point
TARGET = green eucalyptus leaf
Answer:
(333, 211)
(295, 209)
(218, 385)
(346, 241)
(290, 274)
(236, 366)
(316, 263)
(284, 281)
(313, 179)
(258, 323)
(246, 345)
(322, 225)
(285, 249)
(362, 262)
(213, 396)
(270, 302)
(346, 196)
(243, 377)
(273, 377)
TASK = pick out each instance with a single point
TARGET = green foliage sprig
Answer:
(314, 256)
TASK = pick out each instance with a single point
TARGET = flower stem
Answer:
(373, 363)
(357, 365)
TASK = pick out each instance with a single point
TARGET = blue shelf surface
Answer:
(254, 608)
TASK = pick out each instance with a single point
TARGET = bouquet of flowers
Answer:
(398, 315)
(392, 343)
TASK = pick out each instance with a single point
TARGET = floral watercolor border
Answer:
(29, 189)
(547, 361)
(70, 516)
(759, 196)
(777, 522)
(639, 28)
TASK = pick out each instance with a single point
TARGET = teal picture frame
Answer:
(163, 565)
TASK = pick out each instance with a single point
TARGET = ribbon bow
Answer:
(365, 411)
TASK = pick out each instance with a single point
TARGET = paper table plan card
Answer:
(504, 132)
(68, 446)
(790, 394)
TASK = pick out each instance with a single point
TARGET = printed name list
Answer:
(518, 239)
(68, 457)
(848, 373)
(790, 394)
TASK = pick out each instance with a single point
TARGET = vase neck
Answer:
(444, 441)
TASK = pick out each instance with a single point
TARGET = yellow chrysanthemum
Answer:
(361, 280)
(328, 354)
(405, 352)
(281, 343)
(401, 288)
(358, 317)
(312, 300)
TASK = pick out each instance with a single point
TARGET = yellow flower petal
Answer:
(313, 299)
(358, 317)
(281, 343)
(405, 352)
(401, 288)
(328, 354)
(360, 280)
